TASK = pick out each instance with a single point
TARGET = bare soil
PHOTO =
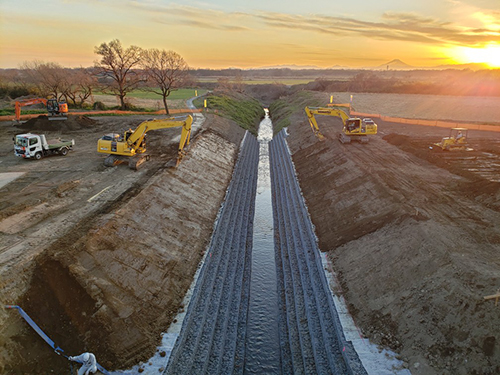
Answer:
(412, 233)
(101, 257)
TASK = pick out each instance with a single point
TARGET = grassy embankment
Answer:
(282, 110)
(244, 110)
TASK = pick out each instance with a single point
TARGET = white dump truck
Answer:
(34, 146)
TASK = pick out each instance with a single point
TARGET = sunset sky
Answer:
(258, 33)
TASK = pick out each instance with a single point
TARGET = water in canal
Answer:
(262, 343)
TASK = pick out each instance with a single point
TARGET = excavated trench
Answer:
(228, 328)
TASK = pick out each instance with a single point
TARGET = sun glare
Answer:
(489, 55)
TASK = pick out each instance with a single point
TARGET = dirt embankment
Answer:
(113, 283)
(413, 240)
(42, 123)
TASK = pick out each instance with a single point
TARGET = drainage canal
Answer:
(262, 353)
(255, 310)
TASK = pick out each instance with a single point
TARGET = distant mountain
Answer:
(395, 64)
(291, 66)
(340, 67)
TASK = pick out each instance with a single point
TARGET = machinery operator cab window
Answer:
(112, 137)
(33, 141)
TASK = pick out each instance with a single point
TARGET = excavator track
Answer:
(136, 161)
(56, 118)
(111, 161)
(344, 138)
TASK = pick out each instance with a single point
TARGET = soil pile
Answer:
(42, 123)
(413, 254)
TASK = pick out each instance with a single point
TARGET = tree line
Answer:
(118, 71)
(447, 82)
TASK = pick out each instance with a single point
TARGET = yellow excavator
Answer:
(354, 129)
(131, 146)
(456, 141)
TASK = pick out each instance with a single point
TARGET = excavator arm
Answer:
(25, 102)
(133, 141)
(54, 108)
(136, 138)
(311, 111)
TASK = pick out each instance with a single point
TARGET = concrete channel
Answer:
(261, 303)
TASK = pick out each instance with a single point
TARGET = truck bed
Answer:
(57, 143)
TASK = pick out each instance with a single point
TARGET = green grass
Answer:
(181, 94)
(281, 110)
(245, 111)
(11, 111)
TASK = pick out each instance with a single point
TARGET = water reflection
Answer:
(262, 346)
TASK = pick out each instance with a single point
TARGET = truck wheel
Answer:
(64, 151)
(38, 155)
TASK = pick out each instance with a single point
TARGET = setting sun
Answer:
(489, 55)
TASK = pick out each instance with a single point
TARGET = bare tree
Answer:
(50, 79)
(116, 68)
(224, 84)
(83, 82)
(165, 72)
(238, 83)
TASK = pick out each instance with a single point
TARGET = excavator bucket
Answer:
(320, 136)
(174, 163)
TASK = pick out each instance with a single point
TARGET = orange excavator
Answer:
(56, 110)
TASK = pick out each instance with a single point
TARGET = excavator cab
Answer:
(353, 125)
(54, 108)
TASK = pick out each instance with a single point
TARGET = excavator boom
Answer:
(133, 143)
(25, 102)
(353, 128)
(311, 111)
(52, 105)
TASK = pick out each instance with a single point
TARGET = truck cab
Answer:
(28, 146)
(35, 146)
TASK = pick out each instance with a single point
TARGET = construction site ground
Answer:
(413, 236)
(84, 246)
(101, 257)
